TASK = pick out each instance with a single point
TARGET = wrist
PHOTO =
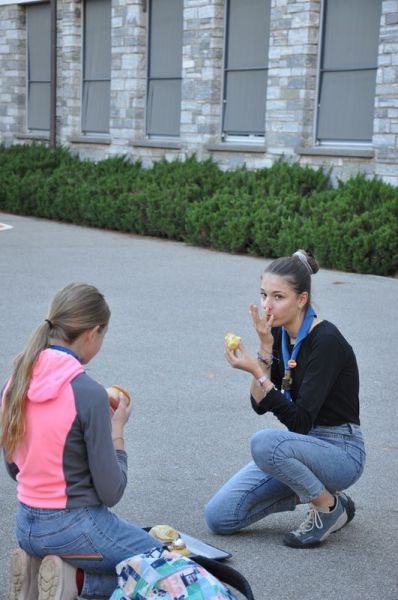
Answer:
(265, 359)
(257, 372)
(266, 347)
(118, 442)
(262, 380)
(265, 350)
(265, 383)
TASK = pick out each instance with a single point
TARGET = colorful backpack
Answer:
(164, 575)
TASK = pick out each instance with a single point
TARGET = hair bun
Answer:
(308, 260)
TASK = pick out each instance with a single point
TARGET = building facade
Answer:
(242, 81)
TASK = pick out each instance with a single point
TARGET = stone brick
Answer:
(390, 6)
(392, 18)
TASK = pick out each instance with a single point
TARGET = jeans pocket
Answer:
(358, 456)
(79, 548)
(22, 536)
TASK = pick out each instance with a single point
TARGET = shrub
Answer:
(355, 226)
(223, 221)
(266, 212)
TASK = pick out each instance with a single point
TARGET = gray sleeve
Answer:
(107, 466)
(11, 468)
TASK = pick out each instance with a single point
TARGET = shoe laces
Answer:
(313, 519)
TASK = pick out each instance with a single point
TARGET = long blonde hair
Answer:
(73, 310)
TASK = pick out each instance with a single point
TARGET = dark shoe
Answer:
(348, 504)
(319, 524)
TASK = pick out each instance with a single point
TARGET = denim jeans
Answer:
(287, 468)
(92, 538)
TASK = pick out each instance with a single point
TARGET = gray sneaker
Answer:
(319, 524)
(23, 575)
(348, 504)
(57, 579)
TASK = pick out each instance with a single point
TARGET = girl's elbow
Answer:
(113, 494)
(302, 424)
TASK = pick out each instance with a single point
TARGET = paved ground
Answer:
(171, 306)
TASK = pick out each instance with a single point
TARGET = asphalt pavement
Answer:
(191, 425)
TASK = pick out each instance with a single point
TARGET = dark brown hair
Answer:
(296, 269)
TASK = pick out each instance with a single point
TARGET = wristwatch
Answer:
(260, 380)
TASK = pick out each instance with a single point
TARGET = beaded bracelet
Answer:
(267, 361)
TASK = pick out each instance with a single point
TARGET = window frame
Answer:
(85, 80)
(247, 137)
(28, 81)
(149, 79)
(325, 143)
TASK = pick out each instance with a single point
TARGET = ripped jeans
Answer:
(287, 466)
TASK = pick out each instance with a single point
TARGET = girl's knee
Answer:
(216, 518)
(212, 517)
(269, 446)
(262, 443)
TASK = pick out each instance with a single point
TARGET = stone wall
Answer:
(128, 83)
(69, 71)
(291, 94)
(203, 45)
(385, 137)
(293, 53)
(13, 72)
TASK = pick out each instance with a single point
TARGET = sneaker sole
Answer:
(22, 570)
(17, 569)
(292, 542)
(49, 577)
(56, 580)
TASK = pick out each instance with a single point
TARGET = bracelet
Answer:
(260, 380)
(117, 438)
(267, 361)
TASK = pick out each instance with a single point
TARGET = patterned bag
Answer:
(166, 575)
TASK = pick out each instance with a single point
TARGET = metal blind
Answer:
(96, 66)
(348, 70)
(38, 66)
(164, 68)
(246, 67)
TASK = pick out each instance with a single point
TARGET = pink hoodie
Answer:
(67, 458)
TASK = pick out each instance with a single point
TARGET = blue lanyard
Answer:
(287, 356)
(66, 350)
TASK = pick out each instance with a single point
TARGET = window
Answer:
(38, 66)
(246, 67)
(96, 66)
(348, 67)
(164, 68)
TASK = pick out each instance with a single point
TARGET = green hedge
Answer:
(265, 212)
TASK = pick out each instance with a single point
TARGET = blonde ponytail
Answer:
(73, 310)
(13, 411)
